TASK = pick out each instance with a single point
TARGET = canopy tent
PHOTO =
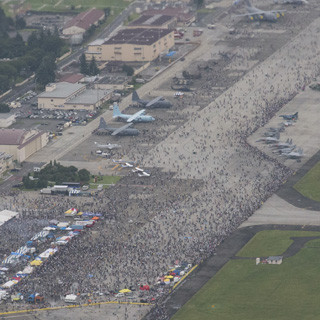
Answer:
(6, 215)
(171, 53)
(41, 234)
(9, 284)
(27, 270)
(125, 291)
(36, 263)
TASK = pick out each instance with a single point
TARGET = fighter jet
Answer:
(269, 140)
(289, 116)
(109, 146)
(258, 14)
(158, 102)
(137, 117)
(295, 154)
(122, 131)
(282, 145)
(298, 2)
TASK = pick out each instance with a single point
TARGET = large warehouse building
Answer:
(21, 144)
(70, 96)
(131, 45)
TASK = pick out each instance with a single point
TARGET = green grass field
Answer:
(309, 185)
(243, 291)
(63, 5)
(106, 180)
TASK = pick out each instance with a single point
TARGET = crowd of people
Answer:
(211, 180)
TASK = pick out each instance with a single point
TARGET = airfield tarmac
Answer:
(208, 142)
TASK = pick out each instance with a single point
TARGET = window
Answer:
(117, 48)
(137, 48)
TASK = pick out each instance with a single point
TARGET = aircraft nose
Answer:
(152, 119)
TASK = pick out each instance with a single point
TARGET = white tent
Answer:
(6, 215)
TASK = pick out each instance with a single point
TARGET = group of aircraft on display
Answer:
(139, 116)
(135, 169)
(255, 14)
(286, 149)
(126, 130)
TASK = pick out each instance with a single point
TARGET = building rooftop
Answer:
(139, 36)
(97, 42)
(181, 14)
(90, 96)
(71, 78)
(11, 136)
(151, 20)
(85, 19)
(6, 115)
(60, 90)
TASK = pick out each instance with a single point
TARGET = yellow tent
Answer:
(169, 277)
(36, 262)
(80, 213)
(125, 291)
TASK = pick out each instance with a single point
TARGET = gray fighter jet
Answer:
(122, 131)
(158, 102)
(258, 14)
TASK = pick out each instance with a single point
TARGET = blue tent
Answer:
(170, 54)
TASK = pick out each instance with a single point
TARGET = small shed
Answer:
(274, 260)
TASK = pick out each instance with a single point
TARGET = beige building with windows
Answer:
(21, 144)
(71, 96)
(132, 45)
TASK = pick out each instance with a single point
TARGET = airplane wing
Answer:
(150, 103)
(136, 115)
(114, 133)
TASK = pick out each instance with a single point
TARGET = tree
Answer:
(20, 23)
(129, 70)
(84, 69)
(93, 69)
(46, 71)
(4, 108)
(84, 175)
(199, 3)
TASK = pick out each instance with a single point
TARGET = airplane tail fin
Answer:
(103, 124)
(116, 110)
(135, 96)
(296, 115)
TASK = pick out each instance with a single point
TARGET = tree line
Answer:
(57, 174)
(37, 55)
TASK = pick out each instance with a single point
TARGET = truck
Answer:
(71, 298)
(35, 298)
(46, 191)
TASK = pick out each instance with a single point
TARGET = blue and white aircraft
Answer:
(137, 117)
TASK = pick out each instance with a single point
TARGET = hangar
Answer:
(21, 144)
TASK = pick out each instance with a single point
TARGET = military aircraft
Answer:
(122, 131)
(295, 154)
(282, 145)
(109, 146)
(298, 2)
(144, 174)
(289, 116)
(269, 140)
(158, 102)
(137, 117)
(137, 169)
(258, 14)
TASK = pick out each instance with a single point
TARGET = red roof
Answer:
(71, 78)
(11, 136)
(85, 19)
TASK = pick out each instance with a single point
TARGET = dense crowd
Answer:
(217, 181)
